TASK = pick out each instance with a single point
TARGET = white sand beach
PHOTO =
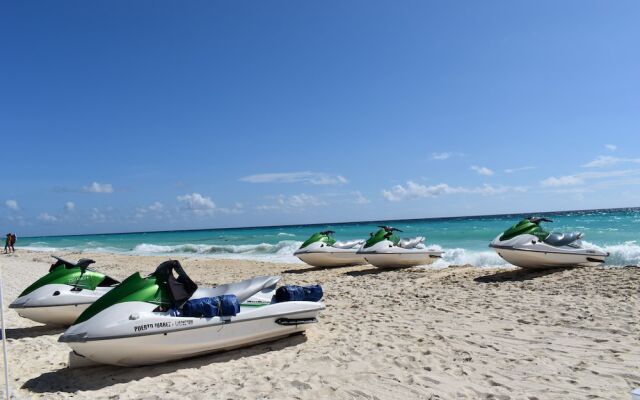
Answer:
(453, 333)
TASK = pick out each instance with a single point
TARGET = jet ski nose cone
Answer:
(19, 303)
(73, 337)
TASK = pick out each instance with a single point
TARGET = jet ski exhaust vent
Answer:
(295, 321)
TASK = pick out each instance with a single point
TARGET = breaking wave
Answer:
(281, 251)
(627, 253)
(458, 256)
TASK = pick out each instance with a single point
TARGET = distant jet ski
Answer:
(59, 297)
(386, 250)
(322, 250)
(527, 245)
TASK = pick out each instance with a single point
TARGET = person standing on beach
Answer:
(13, 242)
(7, 243)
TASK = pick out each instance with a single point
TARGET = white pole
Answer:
(4, 341)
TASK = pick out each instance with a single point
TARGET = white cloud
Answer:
(514, 170)
(360, 199)
(440, 156)
(12, 204)
(582, 178)
(45, 217)
(445, 155)
(314, 178)
(69, 206)
(482, 170)
(96, 187)
(156, 206)
(18, 219)
(298, 202)
(301, 200)
(97, 216)
(567, 180)
(607, 161)
(293, 202)
(238, 208)
(197, 203)
(611, 147)
(414, 190)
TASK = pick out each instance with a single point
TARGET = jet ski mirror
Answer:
(389, 229)
(537, 220)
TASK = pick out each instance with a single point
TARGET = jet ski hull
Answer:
(528, 251)
(531, 259)
(386, 254)
(56, 304)
(401, 260)
(331, 258)
(334, 254)
(152, 338)
(55, 315)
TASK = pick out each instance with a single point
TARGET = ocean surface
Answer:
(464, 239)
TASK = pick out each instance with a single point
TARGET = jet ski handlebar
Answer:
(327, 233)
(537, 220)
(389, 229)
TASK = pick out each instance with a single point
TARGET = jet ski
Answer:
(528, 245)
(59, 297)
(386, 250)
(322, 250)
(149, 320)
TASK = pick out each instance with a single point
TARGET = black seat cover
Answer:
(82, 263)
(562, 239)
(181, 288)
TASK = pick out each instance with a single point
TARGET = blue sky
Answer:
(154, 115)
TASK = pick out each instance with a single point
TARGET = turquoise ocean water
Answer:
(464, 239)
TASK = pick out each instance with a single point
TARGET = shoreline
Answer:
(456, 332)
(290, 259)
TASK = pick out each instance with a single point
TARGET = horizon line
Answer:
(339, 223)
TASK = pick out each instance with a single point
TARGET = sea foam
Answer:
(627, 253)
(458, 256)
(281, 251)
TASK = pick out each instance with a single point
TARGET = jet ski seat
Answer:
(411, 243)
(243, 290)
(562, 239)
(348, 245)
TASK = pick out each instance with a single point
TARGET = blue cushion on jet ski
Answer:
(207, 307)
(199, 308)
(229, 305)
(298, 293)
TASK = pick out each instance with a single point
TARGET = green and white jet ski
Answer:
(527, 245)
(59, 297)
(143, 320)
(386, 250)
(322, 250)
